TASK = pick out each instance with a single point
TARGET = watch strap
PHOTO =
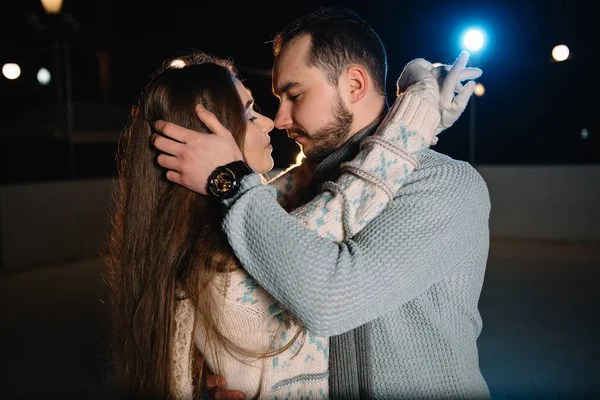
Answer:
(225, 180)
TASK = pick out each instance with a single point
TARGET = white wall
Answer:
(55, 222)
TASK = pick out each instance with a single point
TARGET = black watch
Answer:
(224, 182)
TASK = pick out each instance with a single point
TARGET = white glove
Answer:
(421, 78)
(417, 79)
(449, 78)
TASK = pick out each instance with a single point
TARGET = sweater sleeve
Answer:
(434, 224)
(292, 185)
(369, 182)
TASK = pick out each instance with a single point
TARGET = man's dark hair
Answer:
(340, 37)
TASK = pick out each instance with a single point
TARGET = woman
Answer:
(177, 291)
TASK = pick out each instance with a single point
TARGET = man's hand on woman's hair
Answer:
(189, 156)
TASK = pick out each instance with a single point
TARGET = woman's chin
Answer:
(264, 167)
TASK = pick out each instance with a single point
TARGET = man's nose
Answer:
(283, 118)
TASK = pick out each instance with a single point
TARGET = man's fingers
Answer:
(211, 121)
(169, 162)
(172, 131)
(166, 145)
(174, 177)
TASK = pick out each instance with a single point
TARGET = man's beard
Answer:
(332, 136)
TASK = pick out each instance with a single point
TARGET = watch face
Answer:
(222, 182)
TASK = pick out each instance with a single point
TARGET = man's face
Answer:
(311, 110)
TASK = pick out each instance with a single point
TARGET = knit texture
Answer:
(250, 317)
(370, 181)
(365, 187)
(413, 275)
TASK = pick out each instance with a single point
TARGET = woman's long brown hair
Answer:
(164, 237)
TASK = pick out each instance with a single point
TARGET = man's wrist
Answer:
(224, 182)
(248, 182)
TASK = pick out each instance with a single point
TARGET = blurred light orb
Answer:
(177, 63)
(52, 7)
(11, 71)
(473, 40)
(479, 90)
(585, 133)
(560, 52)
(43, 76)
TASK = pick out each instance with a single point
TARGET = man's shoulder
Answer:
(441, 173)
(429, 158)
(432, 162)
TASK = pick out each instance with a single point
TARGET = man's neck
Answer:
(328, 168)
(370, 110)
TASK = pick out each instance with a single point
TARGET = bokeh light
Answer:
(43, 76)
(585, 133)
(52, 6)
(560, 52)
(479, 89)
(11, 71)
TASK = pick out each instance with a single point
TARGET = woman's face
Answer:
(257, 142)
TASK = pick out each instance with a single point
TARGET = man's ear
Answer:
(358, 82)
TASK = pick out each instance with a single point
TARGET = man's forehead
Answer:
(290, 69)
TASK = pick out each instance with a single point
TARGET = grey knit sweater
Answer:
(399, 299)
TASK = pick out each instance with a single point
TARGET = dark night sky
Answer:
(532, 113)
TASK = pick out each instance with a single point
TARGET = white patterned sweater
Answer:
(251, 317)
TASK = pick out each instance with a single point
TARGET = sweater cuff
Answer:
(411, 114)
(248, 182)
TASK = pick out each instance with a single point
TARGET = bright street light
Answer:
(59, 21)
(473, 40)
(43, 76)
(11, 71)
(560, 52)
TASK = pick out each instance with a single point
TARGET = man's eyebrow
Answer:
(285, 88)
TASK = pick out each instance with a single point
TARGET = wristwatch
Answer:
(224, 181)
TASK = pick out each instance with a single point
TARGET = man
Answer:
(398, 299)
